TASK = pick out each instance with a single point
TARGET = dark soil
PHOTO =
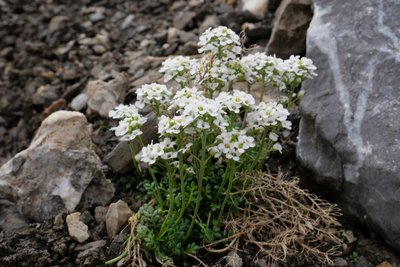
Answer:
(45, 63)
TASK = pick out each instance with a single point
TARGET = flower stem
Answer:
(228, 190)
(259, 152)
(120, 257)
(203, 163)
(171, 186)
(182, 178)
(158, 193)
(133, 154)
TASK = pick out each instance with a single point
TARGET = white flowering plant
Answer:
(208, 131)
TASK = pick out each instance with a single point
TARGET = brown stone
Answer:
(290, 28)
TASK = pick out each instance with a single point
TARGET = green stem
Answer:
(203, 163)
(182, 178)
(117, 259)
(133, 154)
(228, 190)
(228, 167)
(259, 152)
(158, 193)
(171, 185)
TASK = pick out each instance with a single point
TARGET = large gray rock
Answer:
(350, 128)
(58, 172)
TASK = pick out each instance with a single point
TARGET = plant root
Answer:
(280, 223)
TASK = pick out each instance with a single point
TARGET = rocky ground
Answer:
(66, 55)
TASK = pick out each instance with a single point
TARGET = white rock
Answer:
(256, 7)
(77, 230)
(79, 102)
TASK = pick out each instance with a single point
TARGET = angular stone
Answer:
(350, 129)
(58, 172)
(290, 28)
(77, 230)
(117, 217)
(104, 96)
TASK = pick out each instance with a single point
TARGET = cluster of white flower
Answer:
(232, 145)
(165, 149)
(279, 73)
(190, 110)
(235, 101)
(194, 113)
(296, 70)
(152, 94)
(221, 42)
(180, 69)
(268, 114)
(129, 124)
(185, 96)
(259, 66)
(221, 74)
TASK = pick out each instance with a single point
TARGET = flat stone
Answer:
(117, 217)
(77, 230)
(350, 127)
(290, 28)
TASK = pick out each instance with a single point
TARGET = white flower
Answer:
(295, 70)
(235, 101)
(169, 149)
(273, 136)
(220, 41)
(164, 149)
(259, 67)
(232, 144)
(150, 153)
(267, 114)
(181, 69)
(220, 74)
(130, 122)
(122, 111)
(184, 97)
(277, 147)
(152, 95)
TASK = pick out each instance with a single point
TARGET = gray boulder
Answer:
(350, 127)
(58, 172)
